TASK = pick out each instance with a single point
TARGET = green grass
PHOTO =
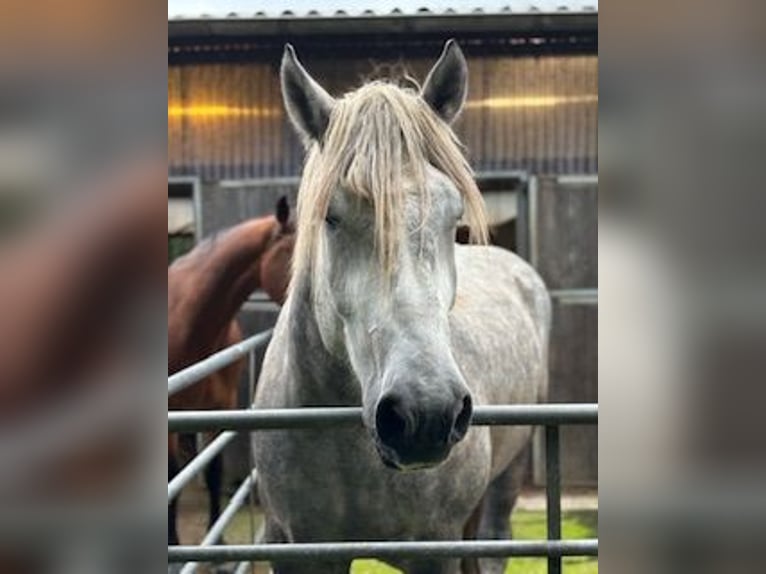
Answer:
(527, 525)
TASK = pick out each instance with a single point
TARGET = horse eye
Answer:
(331, 221)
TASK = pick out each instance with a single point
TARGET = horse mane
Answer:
(203, 249)
(378, 136)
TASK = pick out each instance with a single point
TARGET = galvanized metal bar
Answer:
(522, 221)
(577, 180)
(216, 531)
(251, 459)
(354, 550)
(237, 501)
(215, 362)
(532, 219)
(198, 463)
(545, 414)
(323, 417)
(553, 493)
(264, 182)
(264, 419)
(575, 296)
(260, 306)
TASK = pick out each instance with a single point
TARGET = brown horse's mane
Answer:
(206, 245)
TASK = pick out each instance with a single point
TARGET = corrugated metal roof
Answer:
(246, 9)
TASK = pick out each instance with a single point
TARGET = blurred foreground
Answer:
(82, 287)
(682, 287)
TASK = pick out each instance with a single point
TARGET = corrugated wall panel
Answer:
(226, 121)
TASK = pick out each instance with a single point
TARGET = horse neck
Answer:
(214, 284)
(235, 264)
(322, 377)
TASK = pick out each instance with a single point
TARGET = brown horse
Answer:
(206, 289)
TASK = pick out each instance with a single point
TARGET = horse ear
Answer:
(283, 211)
(307, 103)
(446, 85)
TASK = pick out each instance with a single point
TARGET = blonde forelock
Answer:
(377, 136)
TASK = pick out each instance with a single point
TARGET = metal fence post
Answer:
(553, 493)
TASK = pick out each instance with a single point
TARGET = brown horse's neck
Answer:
(209, 285)
(234, 264)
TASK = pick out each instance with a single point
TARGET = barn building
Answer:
(529, 127)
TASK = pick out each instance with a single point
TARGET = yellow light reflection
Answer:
(224, 111)
(532, 101)
(221, 111)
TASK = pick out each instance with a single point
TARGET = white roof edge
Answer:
(181, 10)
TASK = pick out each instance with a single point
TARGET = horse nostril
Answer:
(463, 419)
(391, 421)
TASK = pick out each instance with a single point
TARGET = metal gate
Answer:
(550, 416)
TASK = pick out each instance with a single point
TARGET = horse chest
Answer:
(332, 485)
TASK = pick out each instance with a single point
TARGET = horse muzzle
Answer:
(410, 435)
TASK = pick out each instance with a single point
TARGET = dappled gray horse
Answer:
(385, 311)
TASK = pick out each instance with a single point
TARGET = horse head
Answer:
(384, 188)
(275, 262)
